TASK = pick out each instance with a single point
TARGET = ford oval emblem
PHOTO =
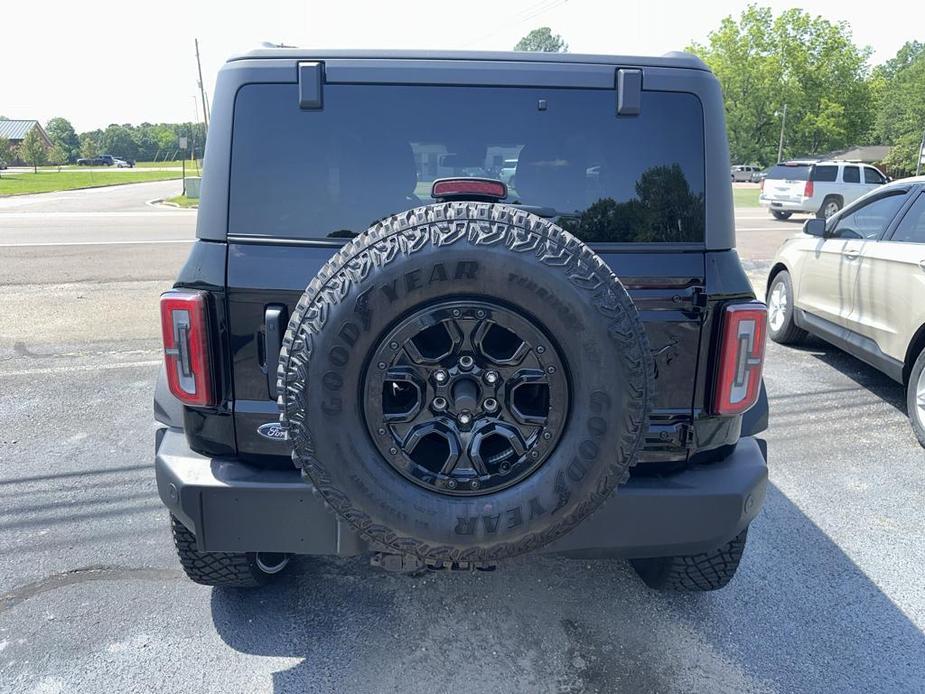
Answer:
(272, 430)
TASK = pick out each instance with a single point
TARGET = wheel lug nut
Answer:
(439, 404)
(505, 467)
(540, 349)
(490, 404)
(479, 314)
(491, 377)
(440, 376)
(464, 418)
(451, 484)
(393, 345)
(381, 431)
(381, 364)
(393, 450)
(466, 362)
(551, 369)
(547, 435)
(535, 454)
(474, 484)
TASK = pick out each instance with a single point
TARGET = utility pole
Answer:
(202, 91)
(921, 155)
(780, 146)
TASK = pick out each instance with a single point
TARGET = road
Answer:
(830, 595)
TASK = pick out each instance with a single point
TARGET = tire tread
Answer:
(480, 224)
(694, 573)
(229, 569)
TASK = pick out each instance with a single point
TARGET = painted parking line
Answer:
(95, 215)
(95, 243)
(88, 367)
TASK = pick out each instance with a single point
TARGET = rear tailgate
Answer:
(303, 178)
(786, 182)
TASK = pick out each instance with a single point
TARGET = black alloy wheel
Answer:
(466, 397)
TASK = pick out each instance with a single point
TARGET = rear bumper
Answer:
(805, 205)
(234, 507)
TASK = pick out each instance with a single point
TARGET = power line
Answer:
(518, 18)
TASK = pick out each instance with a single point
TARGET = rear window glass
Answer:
(790, 172)
(375, 150)
(825, 173)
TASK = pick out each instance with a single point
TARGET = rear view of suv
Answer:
(376, 348)
(819, 188)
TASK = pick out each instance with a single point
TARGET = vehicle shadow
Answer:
(800, 616)
(864, 375)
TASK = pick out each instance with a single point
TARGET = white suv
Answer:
(821, 188)
(857, 281)
(744, 173)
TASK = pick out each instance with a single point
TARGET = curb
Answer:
(161, 202)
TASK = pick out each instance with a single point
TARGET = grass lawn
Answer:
(51, 181)
(183, 201)
(745, 197)
(165, 164)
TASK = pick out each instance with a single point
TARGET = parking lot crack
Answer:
(83, 575)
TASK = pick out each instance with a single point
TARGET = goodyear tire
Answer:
(448, 325)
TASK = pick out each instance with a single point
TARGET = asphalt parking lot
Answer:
(830, 596)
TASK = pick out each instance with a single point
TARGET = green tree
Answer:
(542, 40)
(33, 149)
(89, 144)
(117, 140)
(808, 63)
(57, 155)
(6, 151)
(62, 135)
(900, 89)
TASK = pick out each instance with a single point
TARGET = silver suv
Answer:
(857, 281)
(744, 173)
(821, 188)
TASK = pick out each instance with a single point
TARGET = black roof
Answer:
(675, 59)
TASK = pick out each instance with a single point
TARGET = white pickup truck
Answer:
(821, 188)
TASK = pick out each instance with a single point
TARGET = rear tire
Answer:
(915, 398)
(228, 569)
(829, 207)
(695, 572)
(781, 215)
(780, 300)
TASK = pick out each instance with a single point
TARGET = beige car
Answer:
(857, 280)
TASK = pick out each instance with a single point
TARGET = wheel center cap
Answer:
(465, 395)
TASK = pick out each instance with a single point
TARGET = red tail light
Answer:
(808, 190)
(184, 328)
(741, 358)
(487, 188)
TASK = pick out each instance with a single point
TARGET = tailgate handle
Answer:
(274, 320)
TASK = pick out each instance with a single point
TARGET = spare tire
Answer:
(465, 382)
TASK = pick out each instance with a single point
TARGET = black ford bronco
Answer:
(383, 344)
